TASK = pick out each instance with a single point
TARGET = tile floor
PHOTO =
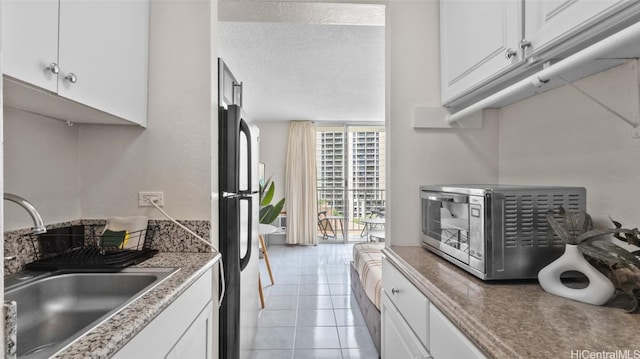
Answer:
(310, 311)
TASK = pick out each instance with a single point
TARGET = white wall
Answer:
(274, 136)
(40, 164)
(417, 157)
(95, 171)
(563, 138)
(414, 157)
(173, 153)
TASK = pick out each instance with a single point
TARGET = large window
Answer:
(351, 176)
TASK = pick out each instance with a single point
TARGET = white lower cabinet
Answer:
(183, 330)
(405, 317)
(447, 341)
(412, 327)
(410, 302)
(197, 340)
(398, 340)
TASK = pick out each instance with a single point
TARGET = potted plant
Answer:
(573, 228)
(619, 265)
(268, 211)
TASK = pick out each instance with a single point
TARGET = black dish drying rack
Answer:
(78, 248)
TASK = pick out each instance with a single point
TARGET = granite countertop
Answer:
(517, 319)
(107, 338)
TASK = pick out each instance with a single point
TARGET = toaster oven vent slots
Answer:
(525, 223)
(542, 203)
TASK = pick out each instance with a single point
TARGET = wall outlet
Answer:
(145, 198)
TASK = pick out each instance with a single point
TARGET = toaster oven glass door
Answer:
(445, 223)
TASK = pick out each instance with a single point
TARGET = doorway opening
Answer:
(320, 62)
(350, 171)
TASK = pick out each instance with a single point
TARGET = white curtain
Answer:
(302, 216)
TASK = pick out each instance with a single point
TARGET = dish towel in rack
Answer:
(136, 227)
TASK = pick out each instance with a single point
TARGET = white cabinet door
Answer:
(101, 44)
(197, 341)
(447, 341)
(398, 341)
(163, 335)
(549, 22)
(476, 38)
(30, 41)
(105, 45)
(407, 299)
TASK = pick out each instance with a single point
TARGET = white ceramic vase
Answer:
(599, 290)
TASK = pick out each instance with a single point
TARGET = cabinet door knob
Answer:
(53, 68)
(71, 77)
(524, 44)
(510, 53)
(395, 291)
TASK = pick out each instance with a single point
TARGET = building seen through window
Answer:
(351, 176)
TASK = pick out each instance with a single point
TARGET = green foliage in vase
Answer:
(268, 211)
(570, 226)
(621, 266)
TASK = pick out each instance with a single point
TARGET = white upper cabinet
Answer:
(549, 23)
(105, 45)
(30, 41)
(477, 35)
(100, 48)
(479, 40)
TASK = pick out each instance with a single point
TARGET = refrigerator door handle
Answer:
(244, 261)
(230, 195)
(244, 129)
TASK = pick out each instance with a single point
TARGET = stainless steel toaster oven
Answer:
(495, 231)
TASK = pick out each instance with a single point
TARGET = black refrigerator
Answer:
(238, 242)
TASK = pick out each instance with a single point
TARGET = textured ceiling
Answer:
(294, 71)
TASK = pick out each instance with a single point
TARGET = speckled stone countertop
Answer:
(106, 339)
(517, 320)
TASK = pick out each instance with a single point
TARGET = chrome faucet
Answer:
(33, 212)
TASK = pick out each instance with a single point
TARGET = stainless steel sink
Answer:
(56, 308)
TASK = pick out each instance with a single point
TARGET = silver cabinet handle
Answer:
(395, 291)
(510, 53)
(53, 68)
(71, 77)
(524, 44)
